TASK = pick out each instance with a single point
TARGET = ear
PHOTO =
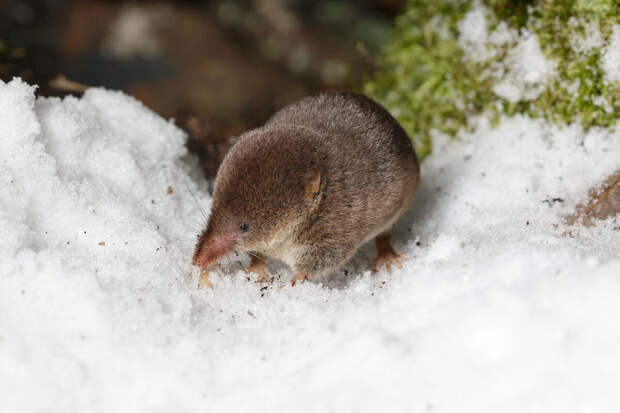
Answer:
(314, 188)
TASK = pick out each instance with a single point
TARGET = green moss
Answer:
(422, 65)
(554, 23)
(426, 82)
(514, 12)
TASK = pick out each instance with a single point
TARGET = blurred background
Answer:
(217, 67)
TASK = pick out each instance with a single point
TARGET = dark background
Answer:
(217, 67)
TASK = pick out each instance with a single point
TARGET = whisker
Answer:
(194, 226)
(198, 222)
(202, 210)
(256, 256)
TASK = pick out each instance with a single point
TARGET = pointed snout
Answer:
(212, 246)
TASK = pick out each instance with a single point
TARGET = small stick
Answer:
(60, 82)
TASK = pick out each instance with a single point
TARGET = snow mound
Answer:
(500, 307)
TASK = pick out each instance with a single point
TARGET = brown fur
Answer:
(320, 178)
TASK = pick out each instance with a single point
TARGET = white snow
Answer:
(588, 41)
(501, 306)
(528, 71)
(478, 44)
(610, 59)
(524, 72)
(503, 35)
(473, 34)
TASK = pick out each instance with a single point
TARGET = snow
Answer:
(610, 59)
(500, 306)
(590, 40)
(478, 44)
(524, 72)
(473, 34)
(528, 71)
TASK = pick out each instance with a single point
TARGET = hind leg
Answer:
(300, 275)
(320, 259)
(386, 254)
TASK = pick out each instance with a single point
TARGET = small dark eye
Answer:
(244, 227)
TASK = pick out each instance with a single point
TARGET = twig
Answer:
(60, 82)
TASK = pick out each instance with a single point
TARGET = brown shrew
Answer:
(323, 176)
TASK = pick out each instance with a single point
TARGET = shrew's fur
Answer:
(320, 178)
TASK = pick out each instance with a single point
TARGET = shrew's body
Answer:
(320, 178)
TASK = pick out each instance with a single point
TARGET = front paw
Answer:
(259, 268)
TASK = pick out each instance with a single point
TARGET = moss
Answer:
(422, 65)
(429, 85)
(514, 12)
(558, 103)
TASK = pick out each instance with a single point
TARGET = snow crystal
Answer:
(477, 43)
(602, 102)
(500, 306)
(523, 73)
(473, 34)
(588, 41)
(503, 35)
(528, 70)
(611, 57)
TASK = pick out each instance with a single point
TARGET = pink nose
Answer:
(211, 247)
